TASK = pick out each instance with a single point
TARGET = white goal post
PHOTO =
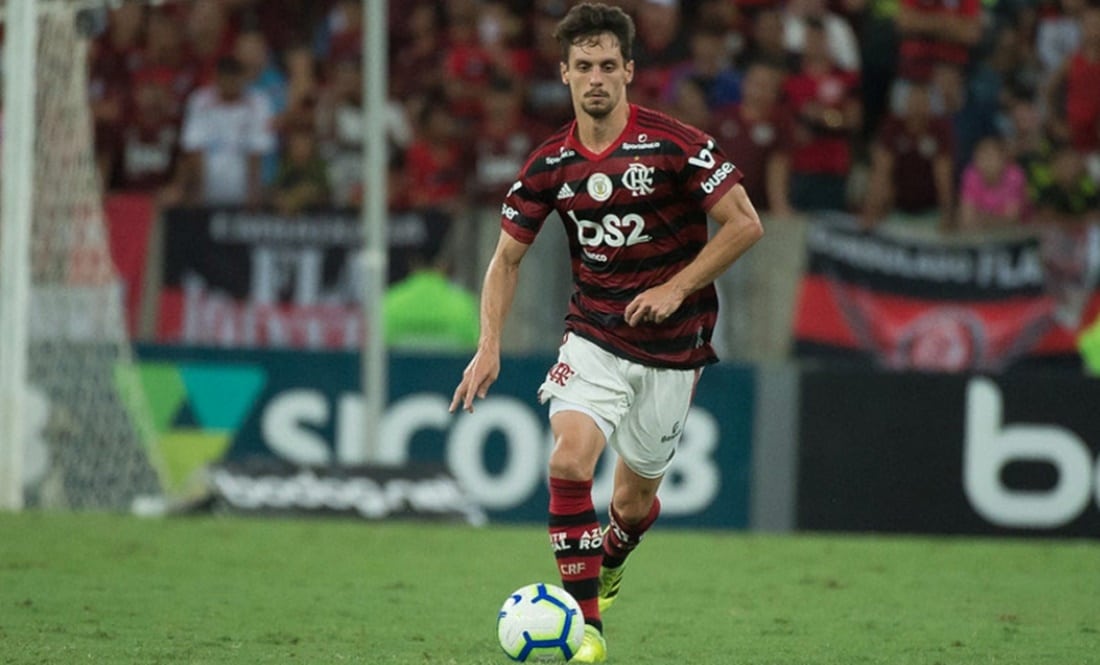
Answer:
(74, 426)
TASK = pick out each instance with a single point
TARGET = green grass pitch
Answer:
(112, 589)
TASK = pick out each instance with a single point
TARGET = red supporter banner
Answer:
(945, 306)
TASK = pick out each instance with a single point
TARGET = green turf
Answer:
(107, 589)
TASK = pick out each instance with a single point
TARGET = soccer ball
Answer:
(540, 622)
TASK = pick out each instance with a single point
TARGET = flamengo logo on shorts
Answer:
(560, 373)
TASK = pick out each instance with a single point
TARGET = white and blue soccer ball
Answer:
(540, 622)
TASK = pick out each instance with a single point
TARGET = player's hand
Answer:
(476, 379)
(653, 305)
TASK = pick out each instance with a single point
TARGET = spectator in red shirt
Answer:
(507, 136)
(149, 141)
(826, 103)
(416, 66)
(114, 56)
(166, 50)
(436, 163)
(936, 32)
(661, 44)
(912, 166)
(1080, 79)
(758, 133)
(209, 37)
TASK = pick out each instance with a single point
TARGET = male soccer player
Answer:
(633, 188)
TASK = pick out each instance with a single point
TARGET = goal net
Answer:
(86, 427)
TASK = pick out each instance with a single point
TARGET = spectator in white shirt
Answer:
(227, 130)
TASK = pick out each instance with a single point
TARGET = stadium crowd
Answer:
(972, 115)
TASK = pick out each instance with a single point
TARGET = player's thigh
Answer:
(648, 434)
(587, 376)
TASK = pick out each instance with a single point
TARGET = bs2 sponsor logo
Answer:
(991, 445)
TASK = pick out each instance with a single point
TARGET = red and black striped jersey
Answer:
(635, 215)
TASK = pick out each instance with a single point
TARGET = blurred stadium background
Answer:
(188, 240)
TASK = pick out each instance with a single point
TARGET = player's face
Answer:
(597, 76)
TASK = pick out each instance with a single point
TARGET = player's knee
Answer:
(632, 505)
(567, 464)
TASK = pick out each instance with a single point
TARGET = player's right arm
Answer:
(497, 294)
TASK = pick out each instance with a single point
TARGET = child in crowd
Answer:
(993, 192)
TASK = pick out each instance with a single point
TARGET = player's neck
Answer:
(597, 134)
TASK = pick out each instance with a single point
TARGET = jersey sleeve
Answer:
(705, 171)
(524, 209)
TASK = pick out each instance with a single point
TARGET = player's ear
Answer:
(629, 69)
(564, 70)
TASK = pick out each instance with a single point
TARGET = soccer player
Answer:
(633, 188)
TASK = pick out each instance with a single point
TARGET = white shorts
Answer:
(640, 409)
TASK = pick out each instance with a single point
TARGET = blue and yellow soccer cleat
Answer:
(593, 647)
(610, 579)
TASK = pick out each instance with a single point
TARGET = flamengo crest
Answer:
(639, 179)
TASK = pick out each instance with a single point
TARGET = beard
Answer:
(598, 110)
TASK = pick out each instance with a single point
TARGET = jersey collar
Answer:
(571, 141)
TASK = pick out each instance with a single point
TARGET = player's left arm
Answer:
(739, 229)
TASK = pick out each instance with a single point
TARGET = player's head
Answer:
(596, 43)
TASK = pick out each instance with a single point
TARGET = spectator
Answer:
(838, 32)
(340, 34)
(994, 188)
(467, 64)
(209, 38)
(260, 70)
(936, 32)
(302, 180)
(546, 98)
(436, 162)
(766, 41)
(114, 56)
(758, 133)
(165, 51)
(661, 45)
(1059, 35)
(418, 67)
(879, 43)
(912, 167)
(689, 104)
(425, 311)
(150, 138)
(710, 66)
(1066, 193)
(825, 100)
(1006, 71)
(226, 131)
(1027, 140)
(340, 118)
(1078, 78)
(302, 76)
(265, 77)
(504, 141)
